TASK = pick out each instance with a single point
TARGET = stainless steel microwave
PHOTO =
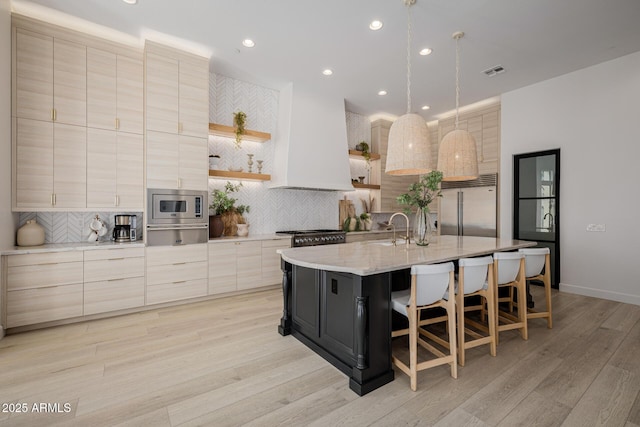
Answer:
(177, 206)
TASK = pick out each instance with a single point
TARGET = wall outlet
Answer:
(596, 227)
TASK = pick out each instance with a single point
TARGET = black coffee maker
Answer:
(122, 228)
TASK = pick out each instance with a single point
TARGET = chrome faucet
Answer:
(394, 228)
(550, 215)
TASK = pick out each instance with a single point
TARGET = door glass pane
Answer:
(535, 217)
(537, 176)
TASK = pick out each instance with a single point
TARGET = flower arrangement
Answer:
(423, 192)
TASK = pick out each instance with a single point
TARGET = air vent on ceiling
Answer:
(494, 70)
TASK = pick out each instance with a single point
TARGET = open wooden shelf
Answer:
(244, 176)
(367, 186)
(230, 132)
(355, 154)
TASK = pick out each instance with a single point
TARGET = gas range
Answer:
(301, 238)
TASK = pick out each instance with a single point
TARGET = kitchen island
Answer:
(336, 298)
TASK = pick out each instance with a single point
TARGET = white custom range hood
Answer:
(311, 150)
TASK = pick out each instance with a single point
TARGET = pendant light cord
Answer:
(408, 3)
(457, 36)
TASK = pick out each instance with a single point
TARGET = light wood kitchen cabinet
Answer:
(44, 287)
(177, 89)
(223, 268)
(271, 270)
(115, 91)
(235, 266)
(113, 279)
(176, 272)
(50, 165)
(176, 161)
(177, 118)
(50, 79)
(114, 169)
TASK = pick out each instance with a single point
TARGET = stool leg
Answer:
(460, 312)
(413, 348)
(522, 307)
(547, 289)
(489, 297)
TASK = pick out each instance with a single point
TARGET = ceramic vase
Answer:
(30, 234)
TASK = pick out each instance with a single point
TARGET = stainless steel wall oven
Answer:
(177, 217)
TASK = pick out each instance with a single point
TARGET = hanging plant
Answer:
(239, 120)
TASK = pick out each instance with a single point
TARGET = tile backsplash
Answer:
(72, 227)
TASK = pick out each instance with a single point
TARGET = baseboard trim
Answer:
(599, 293)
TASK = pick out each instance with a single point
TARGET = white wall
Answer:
(592, 115)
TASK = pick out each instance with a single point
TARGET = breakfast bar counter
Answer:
(336, 298)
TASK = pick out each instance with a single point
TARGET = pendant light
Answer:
(457, 157)
(408, 151)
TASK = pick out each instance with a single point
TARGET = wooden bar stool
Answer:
(429, 283)
(475, 278)
(508, 270)
(535, 260)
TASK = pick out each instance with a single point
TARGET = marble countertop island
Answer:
(380, 256)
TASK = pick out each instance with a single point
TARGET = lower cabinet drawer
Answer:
(167, 292)
(115, 268)
(176, 272)
(30, 306)
(111, 295)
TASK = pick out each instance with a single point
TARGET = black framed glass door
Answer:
(536, 203)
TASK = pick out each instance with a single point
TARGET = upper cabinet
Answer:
(177, 113)
(177, 89)
(51, 79)
(115, 91)
(78, 121)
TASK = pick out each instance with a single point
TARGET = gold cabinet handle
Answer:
(179, 127)
(179, 183)
(117, 123)
(116, 200)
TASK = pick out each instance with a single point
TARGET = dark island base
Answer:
(344, 318)
(355, 383)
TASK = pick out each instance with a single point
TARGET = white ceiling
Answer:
(296, 39)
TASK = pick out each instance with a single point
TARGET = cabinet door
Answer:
(249, 264)
(130, 99)
(162, 93)
(69, 166)
(194, 98)
(271, 272)
(101, 89)
(194, 163)
(114, 294)
(101, 172)
(39, 305)
(222, 268)
(70, 82)
(162, 160)
(34, 163)
(34, 76)
(130, 171)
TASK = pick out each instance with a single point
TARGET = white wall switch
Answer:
(596, 227)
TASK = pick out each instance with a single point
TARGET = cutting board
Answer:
(344, 207)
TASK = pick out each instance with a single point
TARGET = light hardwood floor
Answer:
(222, 363)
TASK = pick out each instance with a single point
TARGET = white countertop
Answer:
(379, 256)
(63, 247)
(271, 236)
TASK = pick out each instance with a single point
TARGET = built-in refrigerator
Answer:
(469, 208)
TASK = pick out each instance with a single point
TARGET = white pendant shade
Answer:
(408, 151)
(457, 157)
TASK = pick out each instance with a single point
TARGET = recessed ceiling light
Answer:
(327, 72)
(425, 107)
(375, 25)
(382, 92)
(426, 51)
(130, 1)
(248, 43)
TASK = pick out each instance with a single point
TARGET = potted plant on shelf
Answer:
(364, 147)
(239, 120)
(420, 196)
(228, 214)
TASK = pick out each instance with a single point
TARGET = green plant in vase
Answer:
(420, 195)
(224, 205)
(239, 121)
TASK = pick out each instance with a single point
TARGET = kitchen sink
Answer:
(399, 242)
